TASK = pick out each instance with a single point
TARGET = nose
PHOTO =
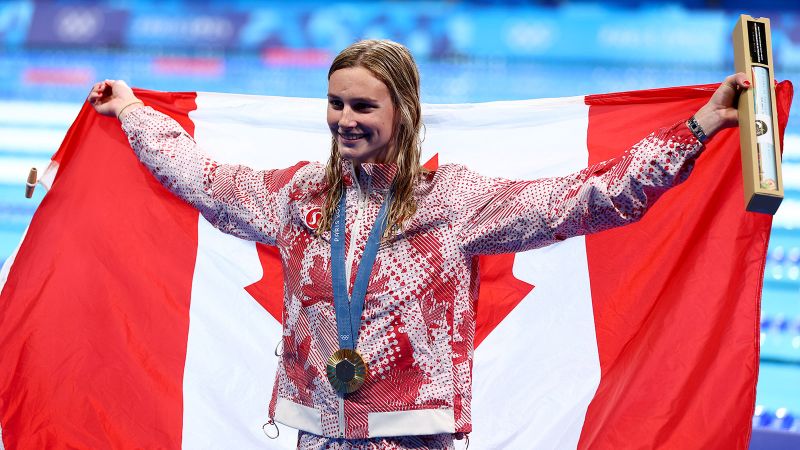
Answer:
(347, 118)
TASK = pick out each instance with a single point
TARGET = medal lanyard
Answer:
(349, 309)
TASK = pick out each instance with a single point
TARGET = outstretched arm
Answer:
(233, 198)
(502, 216)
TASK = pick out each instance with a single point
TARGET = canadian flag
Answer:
(127, 321)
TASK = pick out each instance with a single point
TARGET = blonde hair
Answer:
(392, 64)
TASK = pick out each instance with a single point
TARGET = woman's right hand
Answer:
(109, 97)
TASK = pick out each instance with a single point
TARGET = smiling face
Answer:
(361, 116)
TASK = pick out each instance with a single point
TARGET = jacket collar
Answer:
(377, 176)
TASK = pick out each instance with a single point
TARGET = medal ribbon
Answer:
(349, 309)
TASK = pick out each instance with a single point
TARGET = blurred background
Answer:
(468, 51)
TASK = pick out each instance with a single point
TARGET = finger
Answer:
(729, 82)
(92, 93)
(740, 80)
(96, 94)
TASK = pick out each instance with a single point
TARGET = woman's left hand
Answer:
(720, 112)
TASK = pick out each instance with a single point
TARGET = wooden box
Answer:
(758, 121)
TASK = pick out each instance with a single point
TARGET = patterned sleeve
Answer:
(235, 199)
(495, 215)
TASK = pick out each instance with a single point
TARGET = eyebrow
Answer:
(356, 99)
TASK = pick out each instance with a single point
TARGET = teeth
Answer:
(351, 136)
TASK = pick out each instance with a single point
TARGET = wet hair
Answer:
(393, 65)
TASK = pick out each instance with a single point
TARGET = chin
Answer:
(354, 154)
(349, 154)
(360, 152)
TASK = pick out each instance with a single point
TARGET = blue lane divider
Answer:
(779, 419)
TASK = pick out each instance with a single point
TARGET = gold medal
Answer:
(346, 370)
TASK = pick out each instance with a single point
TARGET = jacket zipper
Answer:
(351, 253)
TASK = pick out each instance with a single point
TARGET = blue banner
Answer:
(56, 25)
(661, 34)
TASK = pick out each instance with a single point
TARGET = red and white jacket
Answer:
(419, 315)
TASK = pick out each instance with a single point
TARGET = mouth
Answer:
(351, 137)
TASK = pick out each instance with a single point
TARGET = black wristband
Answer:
(697, 130)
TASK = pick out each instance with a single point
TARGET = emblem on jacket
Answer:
(313, 217)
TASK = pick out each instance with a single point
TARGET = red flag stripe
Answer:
(681, 293)
(112, 336)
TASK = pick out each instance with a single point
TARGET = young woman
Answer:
(378, 311)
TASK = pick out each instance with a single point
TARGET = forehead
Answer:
(356, 82)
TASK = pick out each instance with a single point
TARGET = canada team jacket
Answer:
(419, 315)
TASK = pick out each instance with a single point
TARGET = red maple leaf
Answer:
(268, 291)
(500, 292)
